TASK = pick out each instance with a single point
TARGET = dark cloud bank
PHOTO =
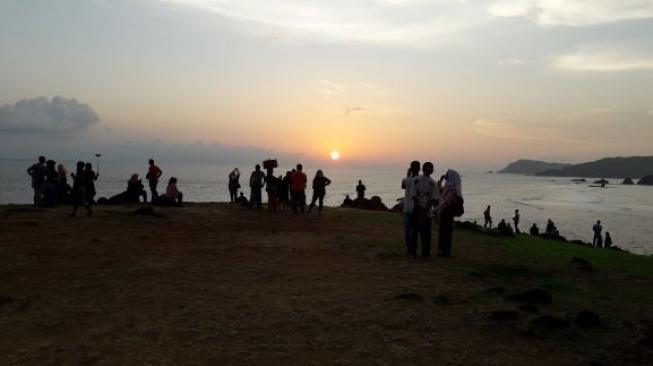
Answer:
(65, 129)
(43, 116)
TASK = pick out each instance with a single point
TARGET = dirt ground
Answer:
(212, 284)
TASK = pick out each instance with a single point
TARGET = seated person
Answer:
(172, 197)
(505, 229)
(242, 200)
(535, 231)
(348, 201)
(135, 190)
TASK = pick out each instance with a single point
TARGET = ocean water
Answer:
(625, 211)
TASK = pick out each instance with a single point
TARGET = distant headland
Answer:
(530, 167)
(635, 167)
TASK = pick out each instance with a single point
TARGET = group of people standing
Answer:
(426, 199)
(282, 191)
(51, 188)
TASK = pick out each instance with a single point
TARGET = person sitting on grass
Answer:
(505, 228)
(135, 190)
(608, 240)
(242, 200)
(535, 231)
(172, 197)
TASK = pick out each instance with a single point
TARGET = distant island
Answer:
(531, 167)
(634, 167)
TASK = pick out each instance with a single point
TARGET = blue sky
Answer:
(474, 83)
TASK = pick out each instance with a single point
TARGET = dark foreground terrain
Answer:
(220, 285)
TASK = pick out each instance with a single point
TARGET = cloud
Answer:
(398, 22)
(46, 116)
(601, 127)
(602, 59)
(573, 13)
(511, 61)
(354, 110)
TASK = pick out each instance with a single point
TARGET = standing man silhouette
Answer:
(425, 195)
(153, 175)
(410, 221)
(515, 220)
(598, 235)
(37, 172)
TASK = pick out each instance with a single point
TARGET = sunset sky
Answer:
(476, 83)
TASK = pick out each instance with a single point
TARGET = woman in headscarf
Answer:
(451, 205)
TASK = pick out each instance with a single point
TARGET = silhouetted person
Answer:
(348, 201)
(298, 189)
(135, 190)
(410, 219)
(425, 194)
(598, 235)
(515, 221)
(451, 204)
(152, 176)
(234, 185)
(37, 173)
(172, 192)
(256, 183)
(319, 190)
(91, 177)
(608, 240)
(551, 230)
(51, 184)
(271, 187)
(505, 229)
(535, 231)
(360, 190)
(63, 188)
(242, 200)
(283, 190)
(487, 216)
(80, 190)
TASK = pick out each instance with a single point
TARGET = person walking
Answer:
(598, 235)
(298, 189)
(234, 185)
(256, 183)
(425, 196)
(80, 189)
(319, 191)
(451, 205)
(487, 215)
(515, 221)
(410, 222)
(152, 176)
(37, 173)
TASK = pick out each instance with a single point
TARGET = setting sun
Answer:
(335, 155)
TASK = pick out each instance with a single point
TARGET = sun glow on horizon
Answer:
(335, 155)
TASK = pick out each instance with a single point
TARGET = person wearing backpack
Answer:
(452, 205)
(425, 195)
